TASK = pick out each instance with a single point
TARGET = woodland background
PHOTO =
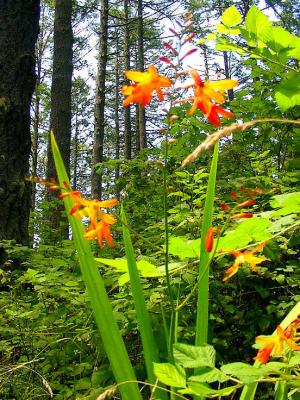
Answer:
(50, 80)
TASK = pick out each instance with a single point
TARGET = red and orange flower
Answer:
(92, 209)
(208, 95)
(274, 345)
(242, 257)
(145, 84)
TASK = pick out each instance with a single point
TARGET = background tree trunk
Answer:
(18, 35)
(100, 102)
(127, 114)
(141, 111)
(60, 119)
(60, 122)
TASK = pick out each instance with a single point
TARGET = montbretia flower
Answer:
(208, 95)
(100, 221)
(242, 257)
(273, 346)
(146, 83)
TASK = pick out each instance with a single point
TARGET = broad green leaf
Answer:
(287, 93)
(287, 203)
(171, 375)
(194, 356)
(276, 38)
(256, 21)
(202, 389)
(225, 44)
(231, 17)
(119, 263)
(209, 375)
(295, 51)
(183, 248)
(146, 269)
(273, 367)
(222, 29)
(250, 230)
(280, 223)
(245, 372)
(295, 360)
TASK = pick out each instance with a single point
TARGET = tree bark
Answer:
(18, 35)
(117, 104)
(127, 113)
(141, 65)
(60, 119)
(99, 130)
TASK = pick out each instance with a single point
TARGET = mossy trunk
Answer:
(18, 35)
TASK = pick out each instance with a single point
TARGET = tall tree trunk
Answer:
(99, 130)
(60, 118)
(127, 113)
(40, 48)
(141, 65)
(18, 35)
(117, 104)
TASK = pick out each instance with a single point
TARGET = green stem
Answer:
(203, 283)
(168, 280)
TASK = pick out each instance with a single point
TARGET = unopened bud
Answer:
(242, 215)
(209, 239)
(246, 203)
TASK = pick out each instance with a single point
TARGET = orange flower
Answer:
(208, 95)
(146, 83)
(274, 345)
(99, 221)
(242, 257)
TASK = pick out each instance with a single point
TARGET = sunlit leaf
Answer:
(256, 21)
(194, 356)
(287, 93)
(169, 374)
(231, 17)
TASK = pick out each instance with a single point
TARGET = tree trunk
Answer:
(96, 184)
(40, 49)
(141, 111)
(18, 35)
(117, 104)
(60, 118)
(127, 114)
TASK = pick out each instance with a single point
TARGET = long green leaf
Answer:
(103, 313)
(144, 323)
(203, 284)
